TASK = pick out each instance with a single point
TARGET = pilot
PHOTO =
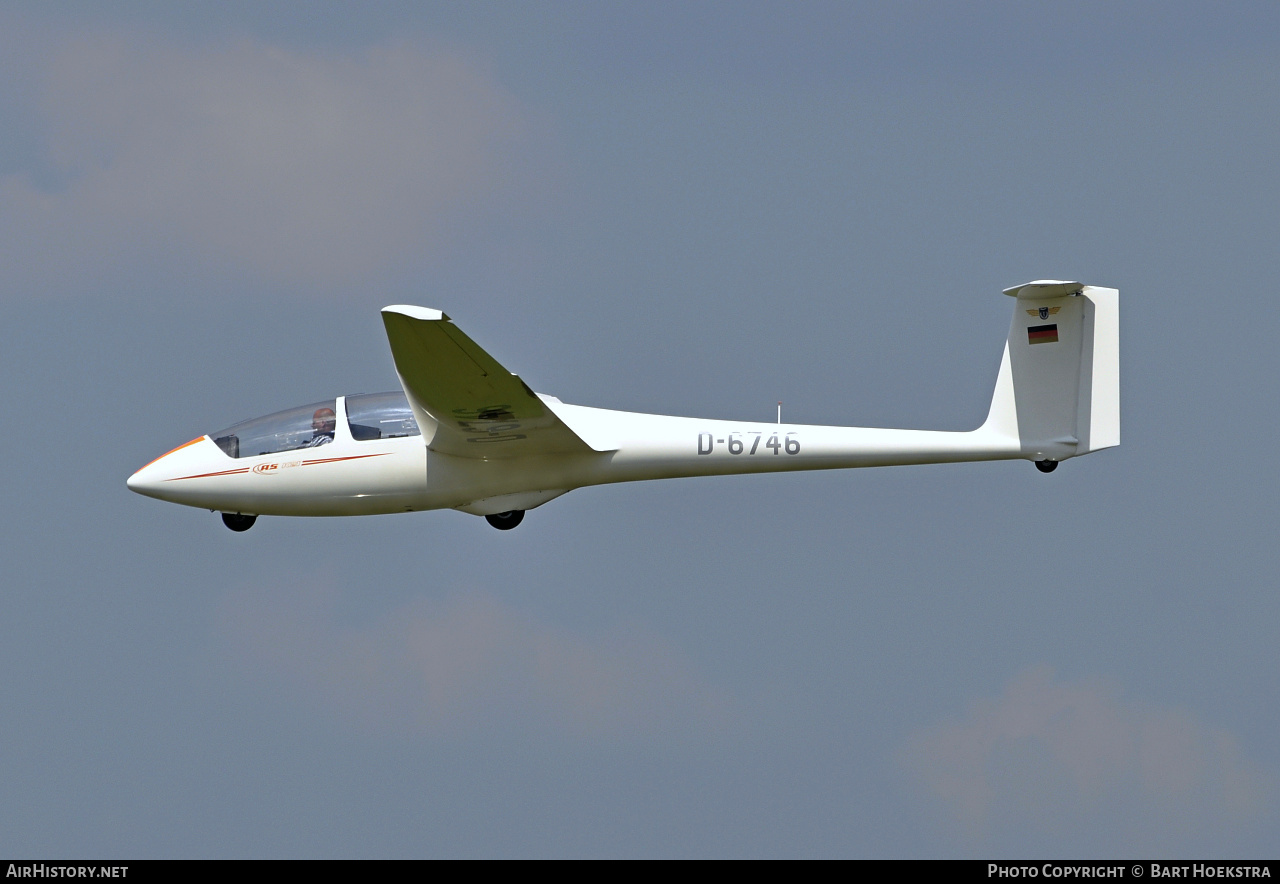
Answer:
(322, 424)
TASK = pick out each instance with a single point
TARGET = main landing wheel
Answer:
(238, 522)
(505, 521)
(1046, 466)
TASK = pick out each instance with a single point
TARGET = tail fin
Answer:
(1058, 392)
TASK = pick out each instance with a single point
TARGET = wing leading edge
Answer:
(466, 403)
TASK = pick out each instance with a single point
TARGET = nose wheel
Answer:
(238, 522)
(1046, 466)
(505, 521)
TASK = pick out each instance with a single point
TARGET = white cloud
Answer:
(455, 665)
(301, 166)
(1052, 758)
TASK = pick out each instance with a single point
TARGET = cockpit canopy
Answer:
(369, 416)
(380, 416)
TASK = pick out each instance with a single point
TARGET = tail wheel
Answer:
(505, 521)
(238, 522)
(1046, 466)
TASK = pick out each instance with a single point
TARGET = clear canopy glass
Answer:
(380, 416)
(308, 426)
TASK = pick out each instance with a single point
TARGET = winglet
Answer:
(415, 312)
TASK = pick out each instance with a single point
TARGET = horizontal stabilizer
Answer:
(1041, 289)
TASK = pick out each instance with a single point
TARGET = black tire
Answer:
(1046, 466)
(505, 521)
(238, 522)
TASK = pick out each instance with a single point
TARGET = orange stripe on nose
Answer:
(167, 453)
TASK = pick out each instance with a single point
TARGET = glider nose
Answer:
(151, 478)
(148, 480)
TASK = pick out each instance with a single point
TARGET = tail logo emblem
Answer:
(1044, 312)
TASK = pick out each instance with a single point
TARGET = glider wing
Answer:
(466, 403)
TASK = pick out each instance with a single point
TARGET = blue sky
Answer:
(682, 208)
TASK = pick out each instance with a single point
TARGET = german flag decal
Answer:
(1043, 334)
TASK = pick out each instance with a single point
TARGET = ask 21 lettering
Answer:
(750, 443)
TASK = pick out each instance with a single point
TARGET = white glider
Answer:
(465, 433)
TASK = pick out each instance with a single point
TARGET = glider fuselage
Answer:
(350, 477)
(465, 433)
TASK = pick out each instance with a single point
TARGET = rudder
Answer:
(1058, 392)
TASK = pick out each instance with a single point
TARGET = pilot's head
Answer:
(323, 421)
